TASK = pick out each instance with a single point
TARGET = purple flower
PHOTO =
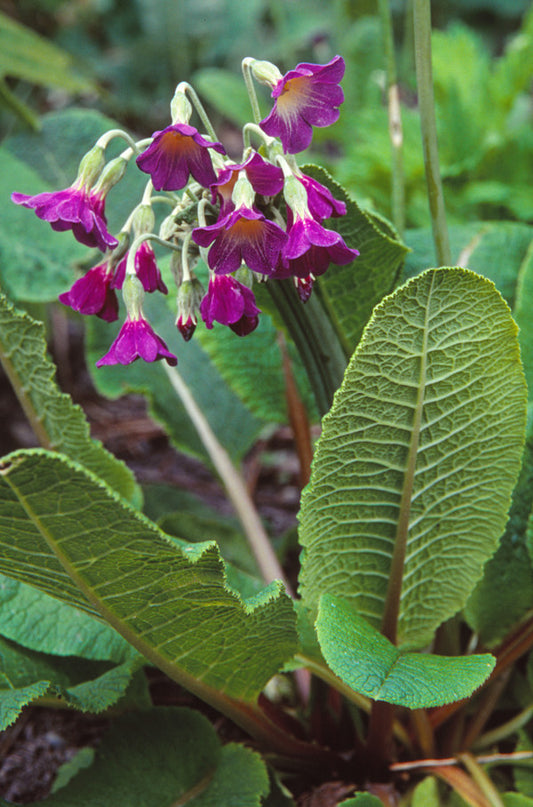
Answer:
(186, 326)
(305, 97)
(76, 208)
(242, 235)
(265, 178)
(137, 340)
(231, 303)
(310, 249)
(321, 203)
(146, 270)
(176, 152)
(304, 287)
(93, 294)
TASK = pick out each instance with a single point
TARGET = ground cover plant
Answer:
(237, 293)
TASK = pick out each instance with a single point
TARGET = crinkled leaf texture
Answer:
(81, 684)
(365, 660)
(421, 450)
(61, 424)
(166, 757)
(63, 531)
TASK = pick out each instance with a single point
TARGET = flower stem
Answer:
(185, 87)
(315, 340)
(422, 36)
(250, 87)
(395, 120)
(233, 482)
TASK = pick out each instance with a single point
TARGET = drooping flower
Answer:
(310, 248)
(190, 295)
(304, 287)
(231, 303)
(146, 270)
(94, 294)
(307, 96)
(137, 340)
(265, 178)
(77, 208)
(244, 235)
(320, 200)
(174, 154)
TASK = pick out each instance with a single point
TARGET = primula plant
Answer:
(399, 670)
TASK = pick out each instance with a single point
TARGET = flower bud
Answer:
(91, 166)
(133, 294)
(243, 194)
(143, 219)
(265, 72)
(112, 173)
(190, 295)
(296, 196)
(180, 108)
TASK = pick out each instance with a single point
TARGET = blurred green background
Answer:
(124, 57)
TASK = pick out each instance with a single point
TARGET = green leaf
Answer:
(505, 592)
(24, 54)
(478, 246)
(420, 451)
(37, 621)
(365, 660)
(67, 534)
(59, 424)
(234, 426)
(89, 686)
(82, 759)
(163, 757)
(350, 292)
(362, 800)
(425, 793)
(522, 314)
(36, 263)
(253, 368)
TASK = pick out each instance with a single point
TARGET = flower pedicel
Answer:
(258, 219)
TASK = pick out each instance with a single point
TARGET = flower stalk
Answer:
(426, 100)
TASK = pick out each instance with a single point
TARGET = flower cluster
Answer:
(261, 219)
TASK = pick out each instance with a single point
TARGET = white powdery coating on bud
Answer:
(143, 219)
(133, 294)
(180, 108)
(91, 165)
(266, 73)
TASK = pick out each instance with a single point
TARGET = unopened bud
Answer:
(265, 72)
(143, 219)
(91, 166)
(180, 108)
(112, 173)
(243, 194)
(190, 295)
(133, 294)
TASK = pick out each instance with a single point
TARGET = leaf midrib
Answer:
(389, 625)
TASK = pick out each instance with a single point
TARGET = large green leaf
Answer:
(523, 314)
(418, 456)
(60, 425)
(350, 292)
(373, 666)
(63, 531)
(88, 686)
(35, 620)
(166, 757)
(24, 54)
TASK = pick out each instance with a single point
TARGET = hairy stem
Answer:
(426, 101)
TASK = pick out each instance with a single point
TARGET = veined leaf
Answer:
(350, 292)
(64, 532)
(418, 456)
(164, 757)
(522, 312)
(365, 660)
(60, 425)
(87, 686)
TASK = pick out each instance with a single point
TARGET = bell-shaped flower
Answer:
(307, 96)
(77, 208)
(310, 248)
(231, 303)
(320, 201)
(146, 270)
(177, 152)
(244, 235)
(265, 178)
(137, 340)
(94, 294)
